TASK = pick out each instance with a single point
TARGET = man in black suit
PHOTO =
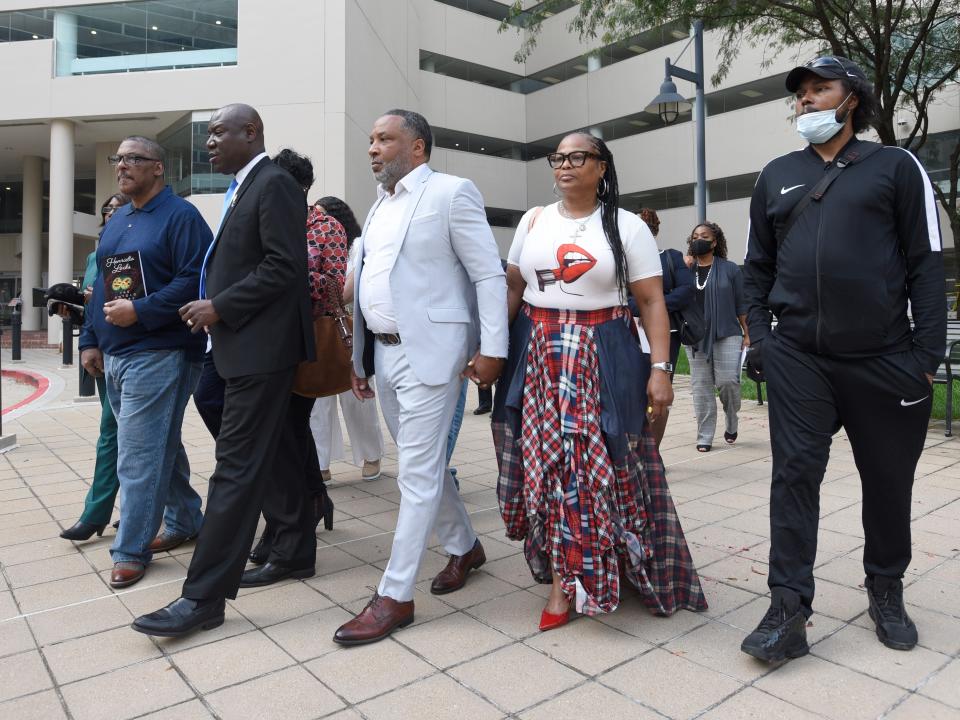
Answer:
(254, 302)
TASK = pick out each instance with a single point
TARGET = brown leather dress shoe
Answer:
(379, 618)
(454, 575)
(125, 574)
(168, 541)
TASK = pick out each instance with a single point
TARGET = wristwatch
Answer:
(665, 366)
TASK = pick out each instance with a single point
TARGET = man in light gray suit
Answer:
(430, 307)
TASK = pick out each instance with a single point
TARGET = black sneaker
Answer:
(894, 627)
(782, 633)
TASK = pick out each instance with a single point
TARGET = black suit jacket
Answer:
(257, 277)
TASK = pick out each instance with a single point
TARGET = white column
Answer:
(60, 262)
(31, 241)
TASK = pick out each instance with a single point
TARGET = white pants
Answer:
(418, 417)
(363, 426)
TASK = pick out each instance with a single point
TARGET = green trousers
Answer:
(98, 506)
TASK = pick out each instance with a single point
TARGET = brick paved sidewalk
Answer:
(66, 649)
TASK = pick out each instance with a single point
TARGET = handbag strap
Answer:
(533, 218)
(673, 270)
(861, 152)
(340, 317)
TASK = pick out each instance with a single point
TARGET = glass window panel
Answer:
(147, 35)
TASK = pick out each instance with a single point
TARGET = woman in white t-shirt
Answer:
(581, 480)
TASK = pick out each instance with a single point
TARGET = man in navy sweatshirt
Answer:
(149, 261)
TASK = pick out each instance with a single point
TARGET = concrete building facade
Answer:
(87, 73)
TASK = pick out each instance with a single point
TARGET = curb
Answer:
(40, 382)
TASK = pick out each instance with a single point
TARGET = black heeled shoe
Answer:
(82, 531)
(260, 552)
(323, 510)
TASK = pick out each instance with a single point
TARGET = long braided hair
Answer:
(608, 193)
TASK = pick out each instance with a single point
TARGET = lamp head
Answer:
(669, 104)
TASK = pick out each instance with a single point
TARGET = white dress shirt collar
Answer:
(245, 170)
(408, 182)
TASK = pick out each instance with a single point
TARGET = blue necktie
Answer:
(227, 199)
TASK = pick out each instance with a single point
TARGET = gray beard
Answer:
(392, 172)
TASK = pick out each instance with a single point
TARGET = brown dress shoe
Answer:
(125, 574)
(168, 541)
(454, 575)
(379, 618)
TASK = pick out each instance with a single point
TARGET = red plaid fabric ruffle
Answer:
(560, 490)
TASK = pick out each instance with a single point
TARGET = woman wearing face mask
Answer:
(715, 360)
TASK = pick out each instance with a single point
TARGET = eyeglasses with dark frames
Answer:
(577, 158)
(130, 159)
(109, 209)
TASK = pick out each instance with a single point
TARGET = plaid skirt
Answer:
(581, 480)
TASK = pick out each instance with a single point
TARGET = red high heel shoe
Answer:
(549, 621)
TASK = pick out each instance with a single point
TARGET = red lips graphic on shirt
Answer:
(572, 263)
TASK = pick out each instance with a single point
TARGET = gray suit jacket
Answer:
(449, 290)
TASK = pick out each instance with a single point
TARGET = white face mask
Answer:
(818, 127)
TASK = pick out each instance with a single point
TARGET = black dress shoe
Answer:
(82, 531)
(181, 617)
(482, 410)
(271, 573)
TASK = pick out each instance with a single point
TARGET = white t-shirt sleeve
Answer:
(516, 247)
(643, 257)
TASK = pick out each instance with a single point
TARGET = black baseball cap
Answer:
(829, 67)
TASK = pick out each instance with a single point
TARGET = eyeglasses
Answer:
(109, 209)
(577, 158)
(130, 159)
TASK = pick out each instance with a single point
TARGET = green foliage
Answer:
(748, 391)
(909, 49)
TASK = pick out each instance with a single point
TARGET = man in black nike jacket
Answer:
(839, 275)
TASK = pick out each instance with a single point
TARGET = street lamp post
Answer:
(669, 104)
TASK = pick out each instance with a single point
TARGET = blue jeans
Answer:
(148, 392)
(455, 430)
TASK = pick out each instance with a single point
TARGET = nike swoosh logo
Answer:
(913, 402)
(784, 191)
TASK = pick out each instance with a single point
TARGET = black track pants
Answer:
(884, 404)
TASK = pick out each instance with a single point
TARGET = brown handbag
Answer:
(329, 374)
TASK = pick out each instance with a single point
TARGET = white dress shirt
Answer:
(380, 242)
(245, 170)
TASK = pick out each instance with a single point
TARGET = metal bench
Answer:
(945, 373)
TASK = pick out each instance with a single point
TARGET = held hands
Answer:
(120, 313)
(659, 394)
(483, 370)
(361, 388)
(199, 315)
(92, 361)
